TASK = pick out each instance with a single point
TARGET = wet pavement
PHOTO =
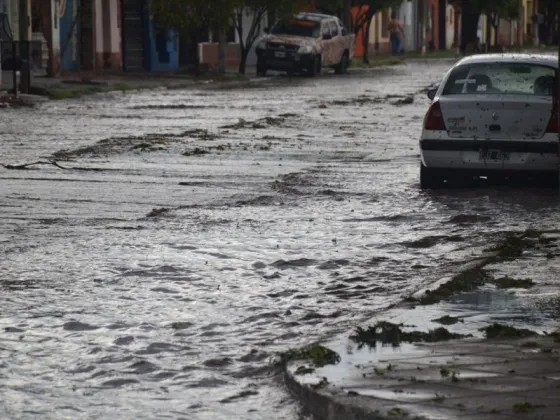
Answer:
(470, 380)
(193, 233)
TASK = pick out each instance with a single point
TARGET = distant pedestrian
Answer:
(396, 32)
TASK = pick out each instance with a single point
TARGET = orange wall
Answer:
(359, 45)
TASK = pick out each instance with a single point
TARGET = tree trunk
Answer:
(365, 38)
(221, 52)
(469, 26)
(196, 52)
(488, 32)
(243, 62)
(348, 15)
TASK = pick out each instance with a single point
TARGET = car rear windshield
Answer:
(297, 27)
(501, 78)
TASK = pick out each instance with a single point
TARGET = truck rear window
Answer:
(502, 78)
(297, 27)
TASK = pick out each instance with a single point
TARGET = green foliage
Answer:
(318, 355)
(506, 9)
(388, 333)
(501, 331)
(189, 16)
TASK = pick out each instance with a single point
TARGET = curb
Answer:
(323, 406)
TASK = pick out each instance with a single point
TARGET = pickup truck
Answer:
(305, 43)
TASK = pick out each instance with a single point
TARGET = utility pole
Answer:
(347, 15)
(24, 53)
(221, 51)
(535, 23)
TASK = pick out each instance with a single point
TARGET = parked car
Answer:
(493, 115)
(306, 43)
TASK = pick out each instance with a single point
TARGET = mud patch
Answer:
(511, 283)
(396, 100)
(462, 219)
(261, 123)
(175, 106)
(430, 241)
(148, 142)
(300, 262)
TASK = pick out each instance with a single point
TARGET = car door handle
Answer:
(495, 127)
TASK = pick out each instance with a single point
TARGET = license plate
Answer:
(280, 54)
(494, 155)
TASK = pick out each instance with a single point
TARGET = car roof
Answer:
(313, 16)
(542, 59)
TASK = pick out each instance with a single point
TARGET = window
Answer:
(343, 31)
(502, 78)
(297, 27)
(333, 28)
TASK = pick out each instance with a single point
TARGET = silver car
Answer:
(493, 115)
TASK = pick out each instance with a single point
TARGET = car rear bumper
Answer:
(490, 155)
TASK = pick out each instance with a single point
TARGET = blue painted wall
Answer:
(69, 37)
(160, 46)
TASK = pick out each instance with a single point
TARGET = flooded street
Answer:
(194, 233)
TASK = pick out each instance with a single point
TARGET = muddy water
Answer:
(194, 233)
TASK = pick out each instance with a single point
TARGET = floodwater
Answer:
(194, 233)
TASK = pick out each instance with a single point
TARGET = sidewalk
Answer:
(488, 350)
(77, 84)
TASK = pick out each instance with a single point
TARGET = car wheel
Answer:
(261, 68)
(430, 178)
(342, 67)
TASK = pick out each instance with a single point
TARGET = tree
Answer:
(361, 21)
(190, 17)
(253, 12)
(471, 11)
(496, 10)
(550, 31)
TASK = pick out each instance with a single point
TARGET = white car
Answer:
(493, 115)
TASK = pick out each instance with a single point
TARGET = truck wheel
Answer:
(261, 68)
(429, 178)
(342, 67)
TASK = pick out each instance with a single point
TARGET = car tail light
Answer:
(434, 118)
(553, 123)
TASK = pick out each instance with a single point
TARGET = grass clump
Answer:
(465, 281)
(511, 283)
(512, 247)
(196, 152)
(389, 333)
(317, 354)
(448, 320)
(523, 408)
(505, 331)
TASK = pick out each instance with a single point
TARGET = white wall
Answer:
(99, 26)
(406, 17)
(115, 32)
(450, 27)
(247, 22)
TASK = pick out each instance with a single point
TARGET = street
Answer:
(187, 235)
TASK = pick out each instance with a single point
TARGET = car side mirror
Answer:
(432, 94)
(327, 36)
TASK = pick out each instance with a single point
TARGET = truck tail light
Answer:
(434, 118)
(553, 123)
